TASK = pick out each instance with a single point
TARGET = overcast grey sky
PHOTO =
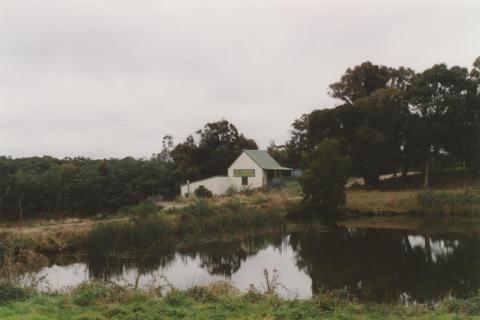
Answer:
(110, 78)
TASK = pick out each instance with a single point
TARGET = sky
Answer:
(110, 78)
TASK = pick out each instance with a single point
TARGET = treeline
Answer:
(36, 187)
(395, 120)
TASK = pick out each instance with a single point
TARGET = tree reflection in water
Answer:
(384, 265)
(374, 264)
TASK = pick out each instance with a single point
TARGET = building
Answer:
(252, 169)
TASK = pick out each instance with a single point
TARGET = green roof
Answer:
(264, 160)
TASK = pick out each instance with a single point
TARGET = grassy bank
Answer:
(200, 221)
(216, 301)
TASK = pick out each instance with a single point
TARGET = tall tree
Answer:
(444, 98)
(219, 144)
(364, 79)
(24, 186)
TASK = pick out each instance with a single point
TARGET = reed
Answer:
(151, 233)
(233, 217)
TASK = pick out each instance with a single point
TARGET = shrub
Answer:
(323, 182)
(231, 190)
(202, 192)
(247, 191)
(142, 209)
(199, 208)
(10, 291)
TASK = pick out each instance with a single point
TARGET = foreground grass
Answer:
(217, 301)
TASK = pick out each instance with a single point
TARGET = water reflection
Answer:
(386, 264)
(380, 265)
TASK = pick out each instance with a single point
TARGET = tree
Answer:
(297, 147)
(24, 184)
(219, 145)
(363, 80)
(5, 182)
(446, 100)
(323, 182)
(387, 112)
(369, 154)
(279, 153)
(202, 192)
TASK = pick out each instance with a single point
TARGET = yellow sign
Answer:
(244, 172)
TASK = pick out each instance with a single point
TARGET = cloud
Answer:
(110, 78)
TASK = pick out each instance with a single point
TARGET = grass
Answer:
(375, 201)
(198, 221)
(449, 202)
(152, 233)
(218, 301)
(232, 217)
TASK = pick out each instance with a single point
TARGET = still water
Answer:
(380, 265)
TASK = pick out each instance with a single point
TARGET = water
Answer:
(379, 265)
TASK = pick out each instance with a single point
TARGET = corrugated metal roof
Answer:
(264, 160)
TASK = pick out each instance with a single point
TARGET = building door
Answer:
(244, 181)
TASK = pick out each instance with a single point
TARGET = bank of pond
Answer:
(216, 301)
(381, 265)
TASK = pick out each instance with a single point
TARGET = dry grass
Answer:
(379, 201)
(52, 236)
(403, 222)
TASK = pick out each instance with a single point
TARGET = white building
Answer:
(252, 169)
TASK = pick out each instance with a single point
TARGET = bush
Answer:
(142, 210)
(199, 208)
(10, 291)
(231, 190)
(323, 182)
(202, 192)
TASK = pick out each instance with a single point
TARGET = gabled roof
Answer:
(264, 160)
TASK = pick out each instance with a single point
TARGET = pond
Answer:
(375, 264)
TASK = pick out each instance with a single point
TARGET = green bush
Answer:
(143, 209)
(202, 192)
(200, 208)
(323, 182)
(10, 291)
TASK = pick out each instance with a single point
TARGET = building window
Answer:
(244, 181)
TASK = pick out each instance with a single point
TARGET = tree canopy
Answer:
(393, 119)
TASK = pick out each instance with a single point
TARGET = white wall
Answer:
(217, 185)
(245, 162)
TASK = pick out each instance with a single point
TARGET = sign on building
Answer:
(244, 173)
